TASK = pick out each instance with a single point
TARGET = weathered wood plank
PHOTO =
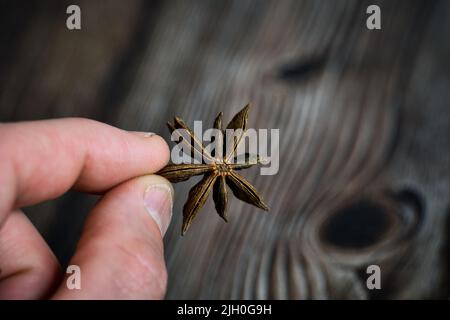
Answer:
(362, 118)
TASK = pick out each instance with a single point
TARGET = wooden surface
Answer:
(364, 131)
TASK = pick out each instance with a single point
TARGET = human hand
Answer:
(120, 252)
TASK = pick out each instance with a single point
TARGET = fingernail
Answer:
(148, 134)
(143, 134)
(158, 202)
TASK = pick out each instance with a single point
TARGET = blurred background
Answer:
(364, 125)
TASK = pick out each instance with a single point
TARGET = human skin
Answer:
(120, 252)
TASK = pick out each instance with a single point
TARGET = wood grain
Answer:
(363, 118)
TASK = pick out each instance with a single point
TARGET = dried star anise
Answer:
(218, 170)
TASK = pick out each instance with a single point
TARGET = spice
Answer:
(219, 171)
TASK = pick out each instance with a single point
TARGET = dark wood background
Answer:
(364, 125)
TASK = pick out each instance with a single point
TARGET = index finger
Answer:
(41, 160)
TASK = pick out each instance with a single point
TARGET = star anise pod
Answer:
(219, 171)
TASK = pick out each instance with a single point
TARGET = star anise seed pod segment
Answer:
(218, 171)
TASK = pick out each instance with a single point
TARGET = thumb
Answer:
(120, 254)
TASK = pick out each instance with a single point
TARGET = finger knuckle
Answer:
(144, 270)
